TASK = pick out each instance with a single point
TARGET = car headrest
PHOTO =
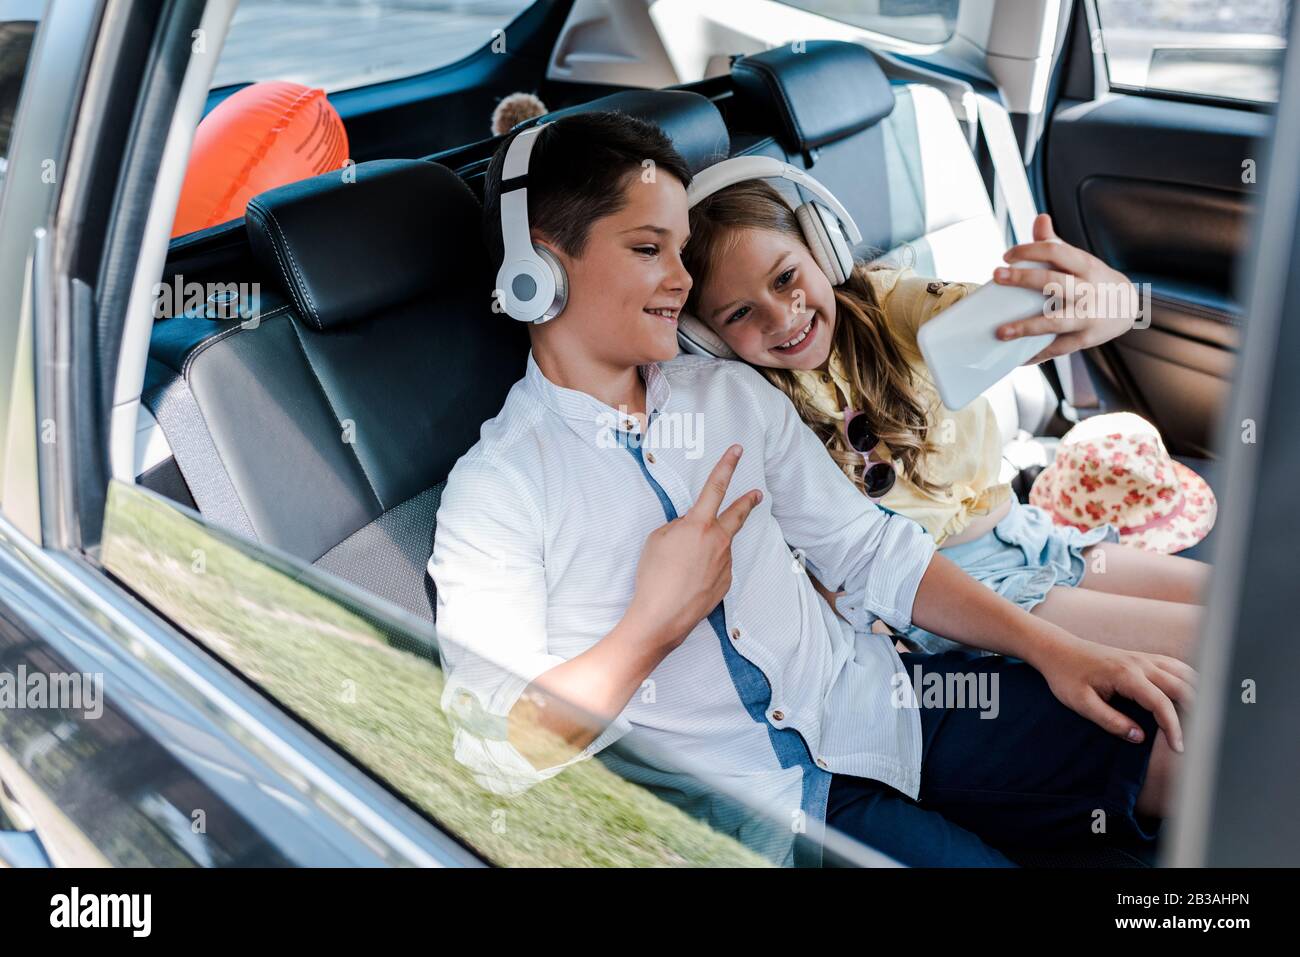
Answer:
(691, 121)
(823, 90)
(350, 243)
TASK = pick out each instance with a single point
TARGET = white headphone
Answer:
(531, 282)
(821, 228)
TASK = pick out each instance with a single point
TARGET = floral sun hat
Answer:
(1114, 468)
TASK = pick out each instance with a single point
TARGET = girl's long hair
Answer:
(880, 380)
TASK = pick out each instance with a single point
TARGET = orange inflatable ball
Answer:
(263, 136)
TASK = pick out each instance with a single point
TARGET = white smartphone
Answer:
(961, 347)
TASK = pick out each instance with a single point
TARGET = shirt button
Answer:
(735, 634)
(650, 457)
(821, 762)
(778, 715)
(629, 424)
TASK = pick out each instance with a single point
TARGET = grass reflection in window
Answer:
(358, 682)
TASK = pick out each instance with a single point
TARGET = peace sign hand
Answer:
(685, 566)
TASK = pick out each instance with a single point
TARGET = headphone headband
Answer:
(516, 234)
(531, 282)
(824, 236)
(741, 168)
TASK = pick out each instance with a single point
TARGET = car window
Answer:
(1191, 46)
(367, 679)
(920, 21)
(350, 43)
(15, 48)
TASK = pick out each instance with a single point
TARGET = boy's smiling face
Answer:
(628, 286)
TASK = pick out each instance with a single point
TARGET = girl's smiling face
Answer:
(769, 301)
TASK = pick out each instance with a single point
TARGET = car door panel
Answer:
(1184, 384)
(1164, 230)
(1163, 190)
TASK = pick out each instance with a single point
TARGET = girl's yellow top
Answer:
(968, 444)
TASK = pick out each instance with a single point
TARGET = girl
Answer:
(853, 347)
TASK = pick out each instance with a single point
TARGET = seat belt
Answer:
(1013, 200)
(174, 407)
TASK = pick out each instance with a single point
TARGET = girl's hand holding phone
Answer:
(1093, 303)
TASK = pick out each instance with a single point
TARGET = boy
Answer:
(580, 559)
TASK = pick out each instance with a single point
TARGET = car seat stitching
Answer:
(296, 290)
(294, 293)
(293, 261)
(330, 402)
(258, 216)
(225, 333)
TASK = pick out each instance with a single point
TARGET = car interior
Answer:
(375, 305)
(374, 314)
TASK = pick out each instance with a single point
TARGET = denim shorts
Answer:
(1021, 558)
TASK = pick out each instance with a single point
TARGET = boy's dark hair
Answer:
(576, 174)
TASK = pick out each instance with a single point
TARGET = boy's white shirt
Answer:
(539, 533)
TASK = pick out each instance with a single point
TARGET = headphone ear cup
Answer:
(561, 296)
(814, 234)
(698, 339)
(840, 245)
(826, 240)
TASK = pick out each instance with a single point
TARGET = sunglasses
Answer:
(878, 476)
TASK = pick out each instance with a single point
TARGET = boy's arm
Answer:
(521, 714)
(877, 558)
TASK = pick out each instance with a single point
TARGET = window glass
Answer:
(367, 679)
(15, 48)
(919, 21)
(1208, 47)
(339, 44)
